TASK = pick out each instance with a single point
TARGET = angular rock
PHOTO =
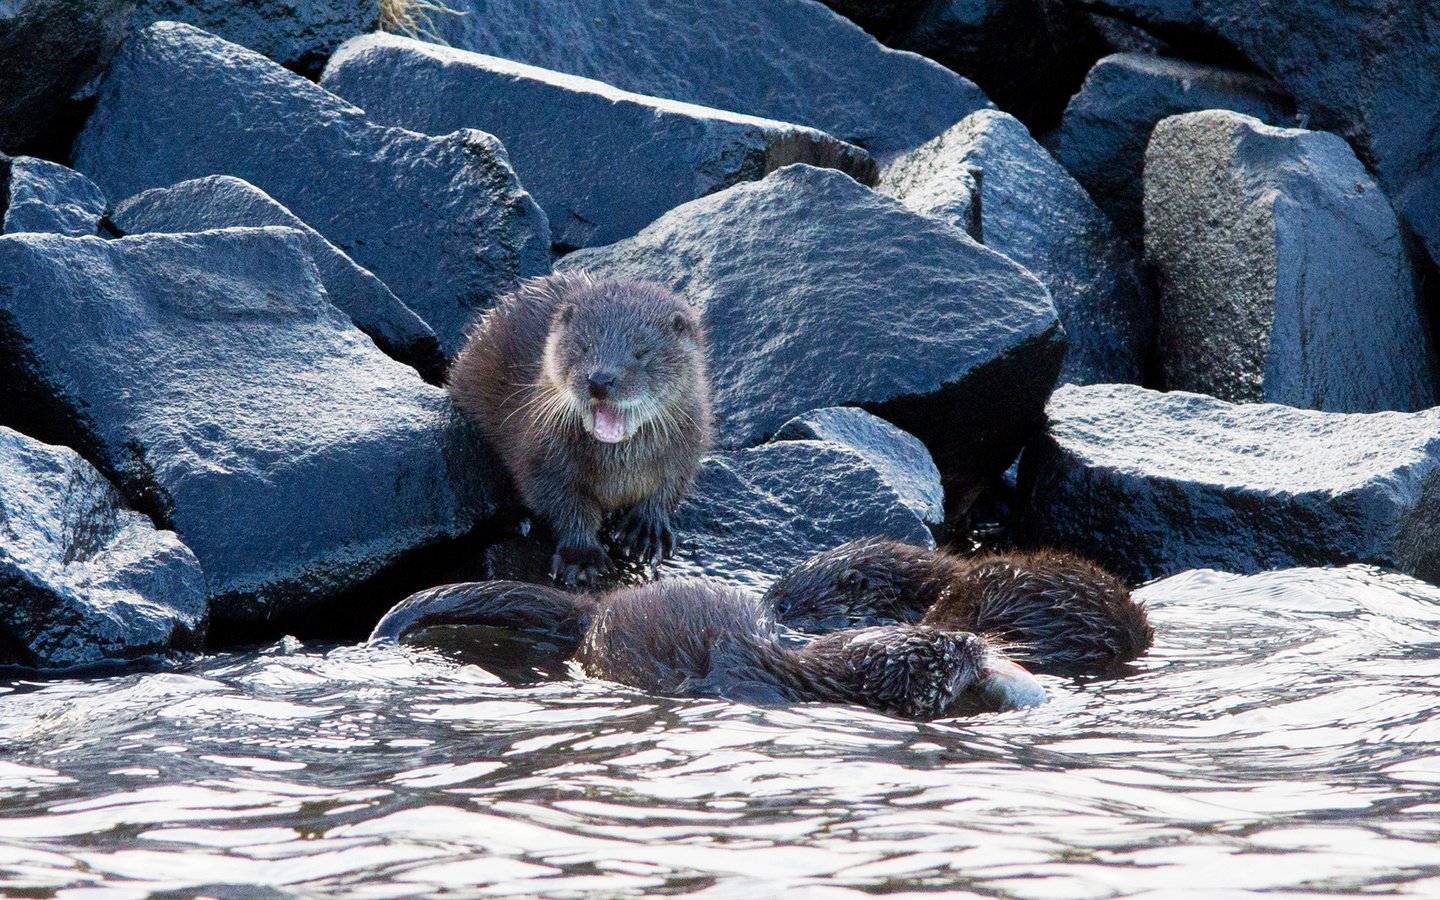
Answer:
(1151, 484)
(790, 60)
(602, 162)
(819, 292)
(899, 458)
(441, 220)
(36, 195)
(300, 34)
(1037, 215)
(49, 50)
(879, 17)
(754, 514)
(86, 579)
(1284, 272)
(221, 201)
(1103, 134)
(211, 380)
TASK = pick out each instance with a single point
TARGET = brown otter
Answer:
(691, 637)
(1053, 611)
(595, 395)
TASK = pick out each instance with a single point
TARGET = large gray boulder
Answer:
(1106, 126)
(1367, 70)
(441, 220)
(300, 34)
(791, 60)
(819, 292)
(211, 380)
(1151, 484)
(38, 195)
(1036, 214)
(84, 578)
(49, 50)
(1284, 272)
(602, 162)
(222, 201)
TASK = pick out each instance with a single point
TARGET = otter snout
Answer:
(600, 384)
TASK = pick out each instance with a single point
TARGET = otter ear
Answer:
(679, 324)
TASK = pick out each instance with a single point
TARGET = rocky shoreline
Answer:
(1192, 291)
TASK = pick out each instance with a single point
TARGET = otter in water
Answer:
(595, 395)
(692, 637)
(1053, 611)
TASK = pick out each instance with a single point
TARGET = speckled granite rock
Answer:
(37, 195)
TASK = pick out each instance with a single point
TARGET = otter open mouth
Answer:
(609, 423)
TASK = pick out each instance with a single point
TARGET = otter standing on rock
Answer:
(595, 395)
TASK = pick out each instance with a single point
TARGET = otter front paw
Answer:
(580, 565)
(646, 536)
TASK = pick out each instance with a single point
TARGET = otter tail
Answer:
(502, 604)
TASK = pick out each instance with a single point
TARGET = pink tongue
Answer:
(609, 424)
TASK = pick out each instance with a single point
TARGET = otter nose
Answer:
(600, 384)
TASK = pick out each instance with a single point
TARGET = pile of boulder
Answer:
(1175, 260)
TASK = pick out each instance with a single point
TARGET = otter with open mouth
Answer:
(595, 395)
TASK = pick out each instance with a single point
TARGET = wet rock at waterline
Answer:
(85, 579)
(1106, 126)
(603, 163)
(791, 60)
(1036, 214)
(441, 220)
(1152, 484)
(221, 201)
(1285, 275)
(211, 380)
(900, 459)
(37, 195)
(300, 34)
(754, 514)
(819, 292)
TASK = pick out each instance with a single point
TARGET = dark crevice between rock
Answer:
(1191, 41)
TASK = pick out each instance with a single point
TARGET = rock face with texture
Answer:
(441, 220)
(1036, 214)
(1152, 484)
(221, 201)
(49, 50)
(1103, 134)
(1284, 272)
(36, 195)
(602, 162)
(791, 60)
(301, 34)
(818, 292)
(211, 380)
(85, 579)
(899, 458)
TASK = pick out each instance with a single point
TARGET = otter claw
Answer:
(579, 566)
(647, 540)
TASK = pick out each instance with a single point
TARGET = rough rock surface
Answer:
(1367, 70)
(900, 459)
(222, 201)
(49, 50)
(791, 60)
(754, 514)
(301, 34)
(1284, 271)
(1152, 484)
(441, 220)
(819, 292)
(37, 195)
(1102, 136)
(85, 579)
(1036, 214)
(639, 156)
(211, 380)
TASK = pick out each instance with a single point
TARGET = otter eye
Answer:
(583, 348)
(641, 353)
(679, 323)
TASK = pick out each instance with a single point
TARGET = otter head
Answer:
(871, 581)
(624, 355)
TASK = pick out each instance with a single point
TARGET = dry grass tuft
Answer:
(414, 18)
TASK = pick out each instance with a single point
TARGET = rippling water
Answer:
(1281, 736)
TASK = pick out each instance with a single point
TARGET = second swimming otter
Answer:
(691, 637)
(595, 395)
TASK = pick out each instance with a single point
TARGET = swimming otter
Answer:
(595, 394)
(1053, 611)
(691, 637)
